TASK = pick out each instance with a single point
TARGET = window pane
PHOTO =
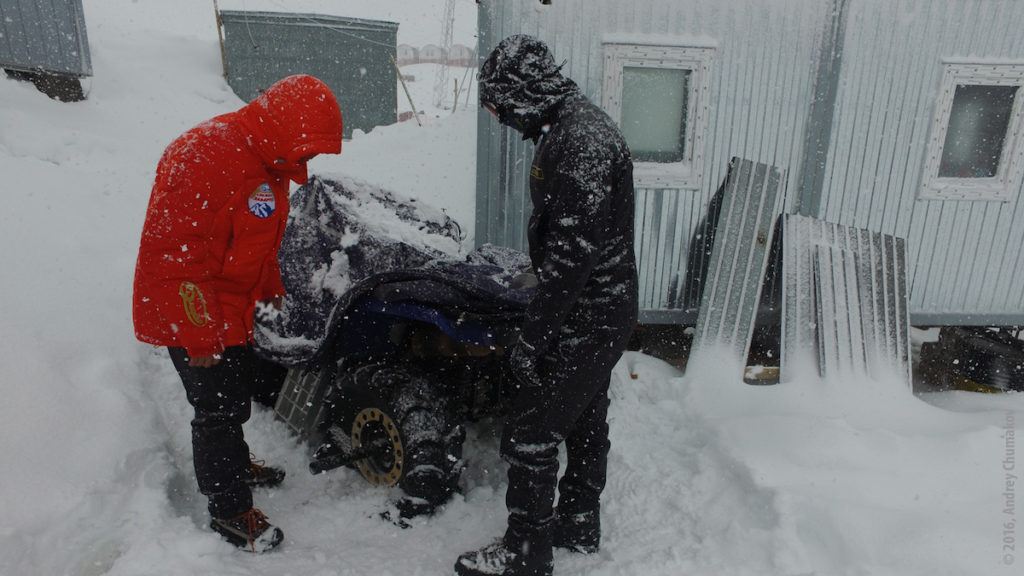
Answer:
(654, 104)
(977, 131)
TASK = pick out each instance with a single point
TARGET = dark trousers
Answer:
(220, 396)
(570, 404)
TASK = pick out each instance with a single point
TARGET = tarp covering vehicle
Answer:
(394, 337)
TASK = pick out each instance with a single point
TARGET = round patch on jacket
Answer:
(261, 201)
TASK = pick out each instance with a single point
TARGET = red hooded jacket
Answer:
(217, 213)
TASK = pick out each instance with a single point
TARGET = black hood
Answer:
(524, 85)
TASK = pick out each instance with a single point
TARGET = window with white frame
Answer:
(659, 95)
(975, 150)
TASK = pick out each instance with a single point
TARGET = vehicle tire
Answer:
(981, 358)
(403, 417)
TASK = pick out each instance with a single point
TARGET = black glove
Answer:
(522, 361)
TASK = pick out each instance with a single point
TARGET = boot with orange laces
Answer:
(249, 531)
(262, 475)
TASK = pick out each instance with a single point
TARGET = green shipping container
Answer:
(353, 56)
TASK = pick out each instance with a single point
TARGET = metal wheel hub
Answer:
(371, 426)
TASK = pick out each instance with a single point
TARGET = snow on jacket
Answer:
(217, 213)
(581, 185)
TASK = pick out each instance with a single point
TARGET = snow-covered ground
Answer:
(707, 475)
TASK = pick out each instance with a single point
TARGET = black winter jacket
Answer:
(581, 186)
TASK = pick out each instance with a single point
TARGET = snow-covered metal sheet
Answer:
(42, 35)
(351, 55)
(844, 299)
(840, 339)
(739, 257)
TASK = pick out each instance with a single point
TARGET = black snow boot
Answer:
(510, 556)
(249, 531)
(261, 475)
(578, 532)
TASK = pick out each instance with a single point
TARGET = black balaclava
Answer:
(524, 85)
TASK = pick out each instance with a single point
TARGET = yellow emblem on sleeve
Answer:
(195, 304)
(537, 172)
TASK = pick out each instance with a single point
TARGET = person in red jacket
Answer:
(208, 257)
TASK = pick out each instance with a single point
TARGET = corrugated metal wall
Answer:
(761, 85)
(965, 264)
(44, 35)
(964, 257)
(351, 55)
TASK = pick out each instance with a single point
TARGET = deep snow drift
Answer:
(707, 475)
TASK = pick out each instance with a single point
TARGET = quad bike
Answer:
(404, 356)
(395, 385)
(973, 358)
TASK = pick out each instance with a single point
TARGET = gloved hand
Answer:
(522, 361)
(267, 310)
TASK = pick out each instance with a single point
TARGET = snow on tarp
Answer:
(346, 239)
(340, 231)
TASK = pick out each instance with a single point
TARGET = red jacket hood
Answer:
(296, 118)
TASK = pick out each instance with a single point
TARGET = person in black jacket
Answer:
(577, 326)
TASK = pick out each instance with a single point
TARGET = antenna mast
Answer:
(441, 80)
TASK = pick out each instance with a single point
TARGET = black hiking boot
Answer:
(263, 476)
(503, 557)
(249, 531)
(578, 532)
